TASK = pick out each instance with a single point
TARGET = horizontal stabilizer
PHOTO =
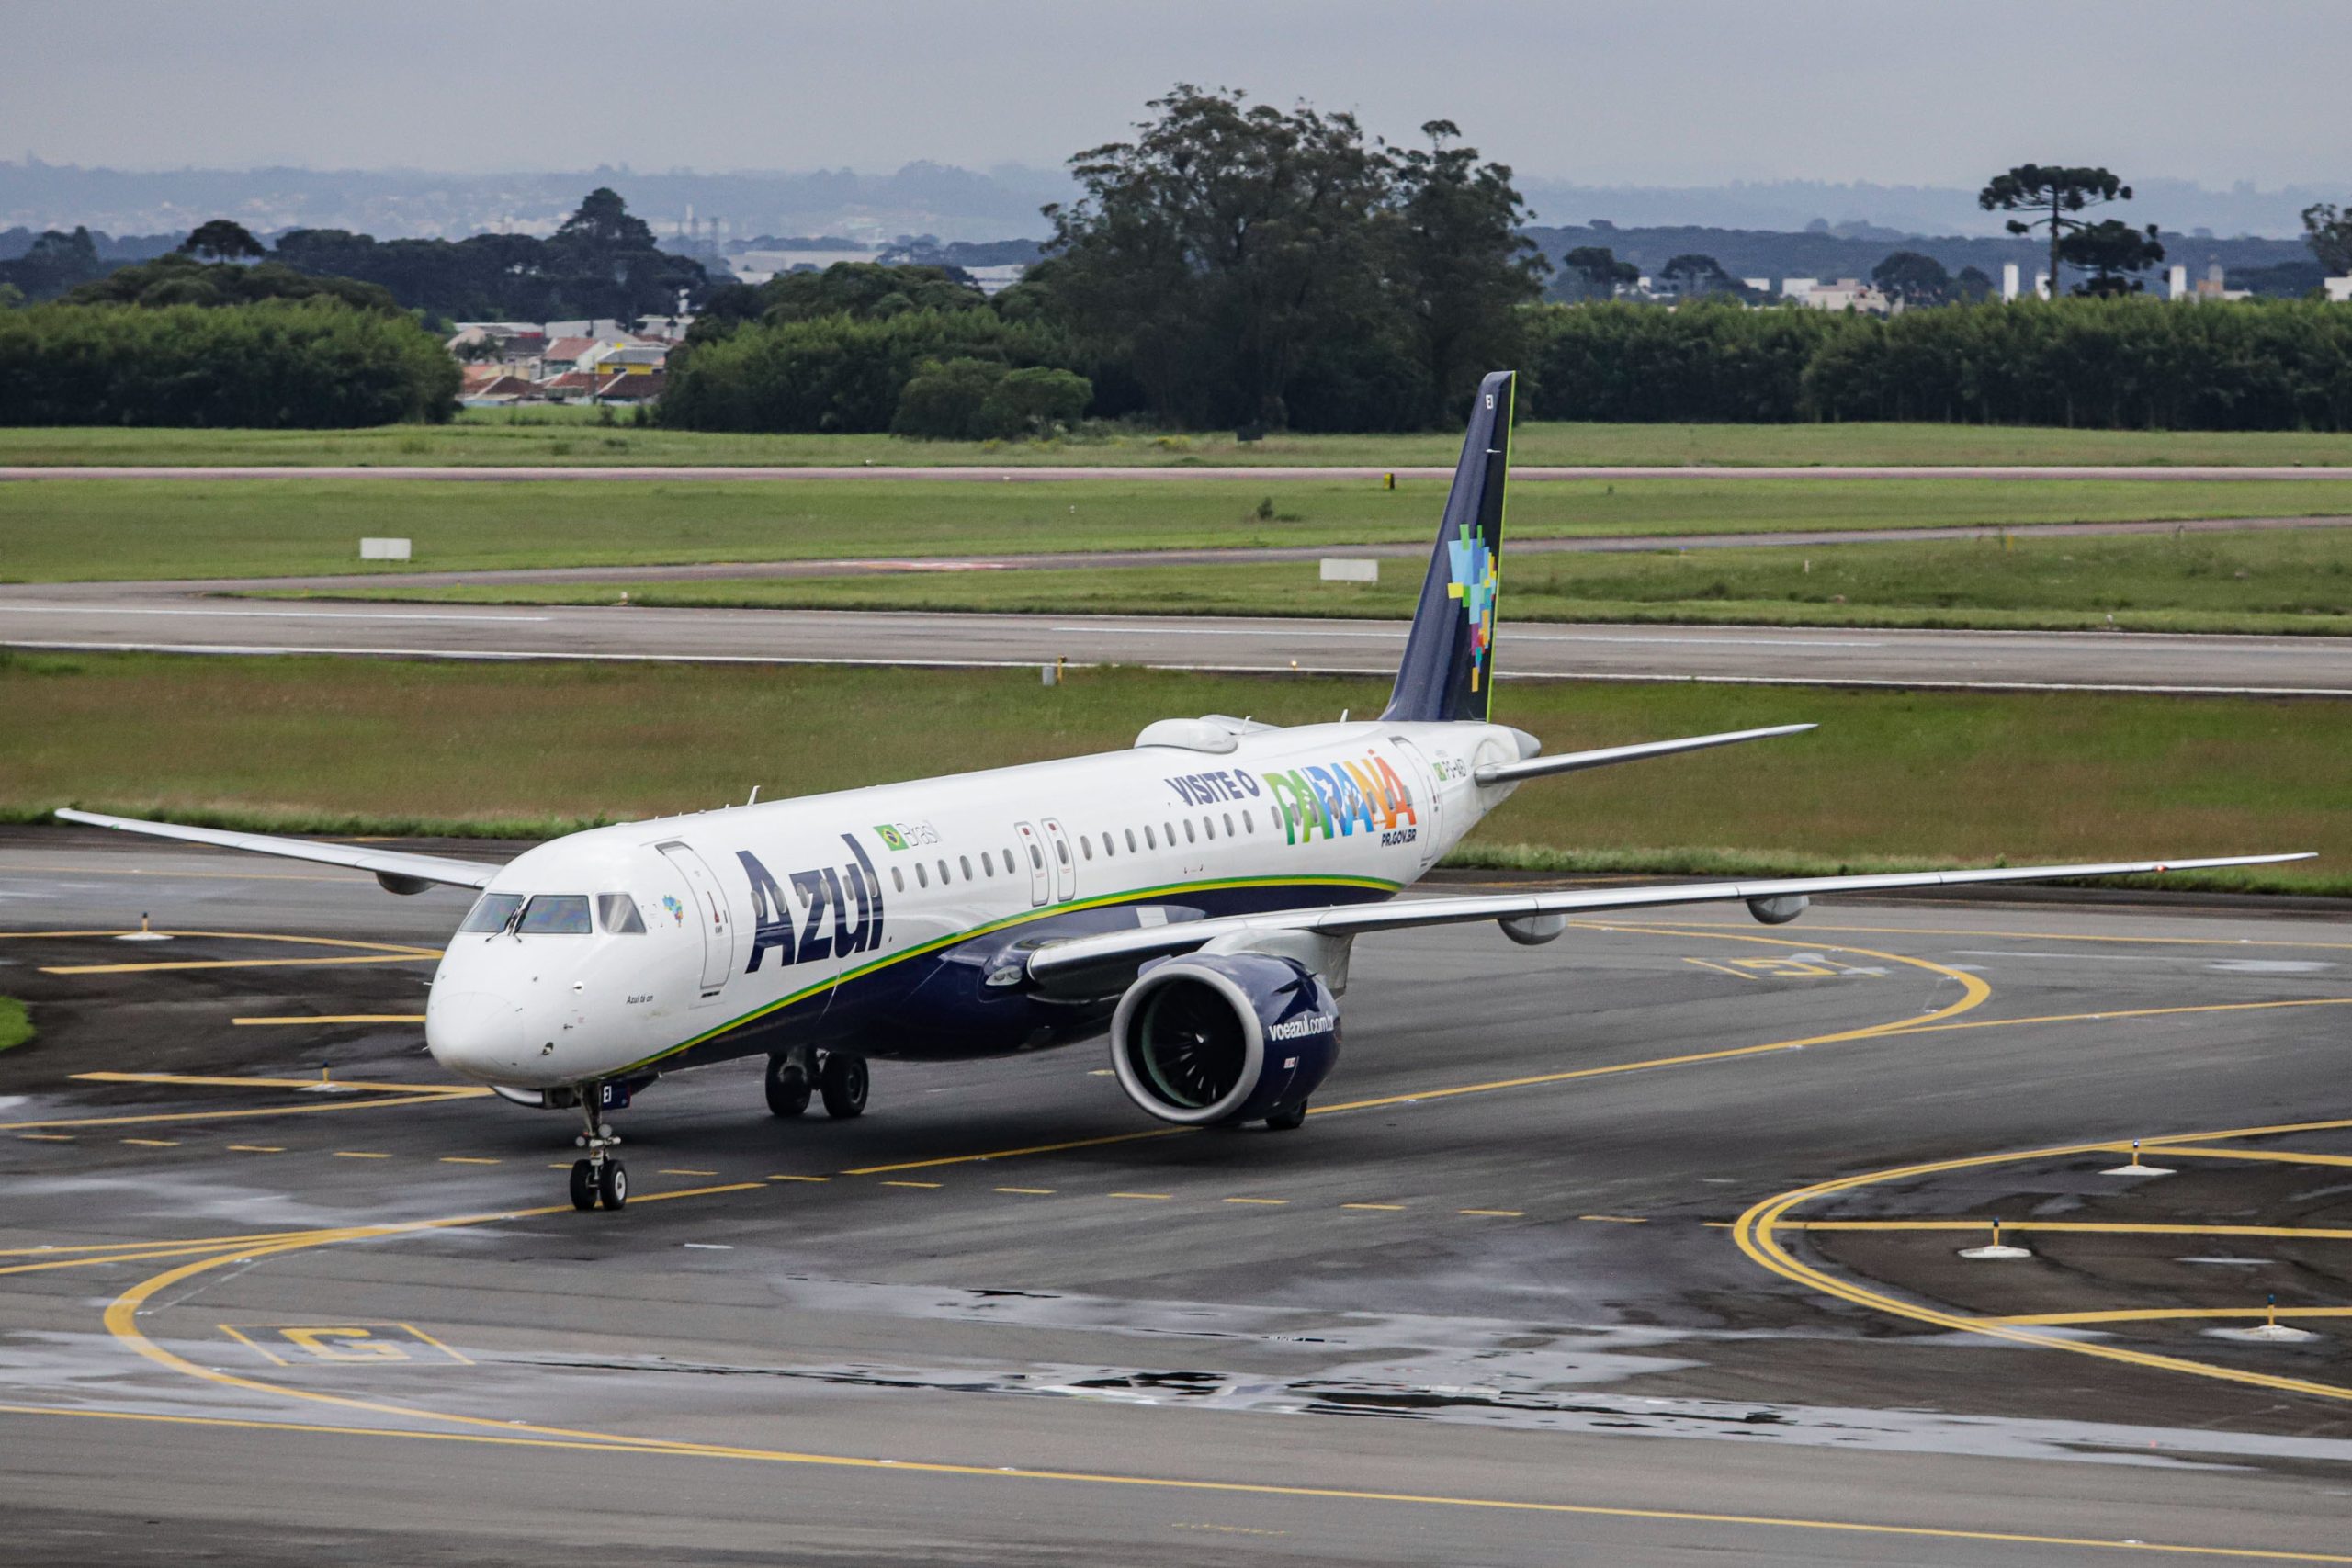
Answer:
(398, 871)
(1573, 762)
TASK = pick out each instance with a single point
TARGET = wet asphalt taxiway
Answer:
(1640, 1248)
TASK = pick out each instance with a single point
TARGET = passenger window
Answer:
(898, 879)
(1188, 831)
(492, 912)
(1037, 861)
(922, 878)
(1249, 823)
(987, 863)
(1170, 827)
(555, 914)
(1131, 841)
(966, 861)
(616, 912)
(1086, 847)
(1149, 837)
(1208, 826)
(943, 878)
(1061, 851)
(1109, 848)
(1228, 824)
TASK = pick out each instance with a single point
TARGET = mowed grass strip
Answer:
(577, 436)
(2261, 580)
(103, 529)
(1890, 778)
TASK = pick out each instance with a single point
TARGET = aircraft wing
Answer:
(1355, 919)
(398, 872)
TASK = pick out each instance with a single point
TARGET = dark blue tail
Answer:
(1449, 669)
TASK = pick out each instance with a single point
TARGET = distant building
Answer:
(1846, 294)
(2339, 290)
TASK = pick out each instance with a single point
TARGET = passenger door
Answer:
(1033, 850)
(1065, 863)
(708, 902)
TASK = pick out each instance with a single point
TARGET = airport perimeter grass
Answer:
(16, 1026)
(1890, 778)
(2268, 582)
(137, 528)
(575, 435)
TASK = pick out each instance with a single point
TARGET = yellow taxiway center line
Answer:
(1266, 1202)
(2120, 1013)
(2157, 1315)
(1759, 1231)
(1496, 1213)
(375, 1103)
(530, 1437)
(336, 1017)
(457, 1091)
(2282, 1157)
(231, 964)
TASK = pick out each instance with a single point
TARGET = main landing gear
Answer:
(599, 1178)
(839, 1076)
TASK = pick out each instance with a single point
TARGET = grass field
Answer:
(2258, 581)
(137, 528)
(1924, 778)
(574, 436)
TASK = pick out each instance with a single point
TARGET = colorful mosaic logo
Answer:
(677, 910)
(1337, 799)
(1471, 566)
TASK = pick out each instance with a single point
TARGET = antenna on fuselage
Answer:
(755, 796)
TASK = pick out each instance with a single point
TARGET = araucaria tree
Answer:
(2328, 232)
(2055, 193)
(1252, 266)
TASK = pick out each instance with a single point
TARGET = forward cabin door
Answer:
(1033, 850)
(1065, 863)
(709, 909)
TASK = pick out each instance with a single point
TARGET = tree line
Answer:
(2106, 363)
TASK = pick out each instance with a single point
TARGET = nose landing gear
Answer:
(843, 1080)
(599, 1178)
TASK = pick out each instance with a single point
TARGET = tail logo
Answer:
(1470, 567)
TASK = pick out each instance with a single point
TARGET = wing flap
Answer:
(1357, 920)
(392, 867)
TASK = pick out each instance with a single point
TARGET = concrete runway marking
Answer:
(356, 1085)
(232, 963)
(336, 1017)
(1025, 1191)
(377, 1102)
(1266, 1202)
(1492, 1214)
(595, 1443)
(2117, 1014)
(1757, 1233)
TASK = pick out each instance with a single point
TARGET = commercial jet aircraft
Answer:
(1197, 893)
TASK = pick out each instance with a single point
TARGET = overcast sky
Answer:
(1686, 92)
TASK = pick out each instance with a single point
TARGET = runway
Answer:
(181, 617)
(1612, 1252)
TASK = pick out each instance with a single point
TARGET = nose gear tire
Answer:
(843, 1080)
(612, 1184)
(787, 1087)
(584, 1185)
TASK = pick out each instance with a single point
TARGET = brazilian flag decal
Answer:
(890, 836)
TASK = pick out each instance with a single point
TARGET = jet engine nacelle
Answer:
(1224, 1037)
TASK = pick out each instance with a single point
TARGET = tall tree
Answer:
(602, 222)
(1600, 272)
(2113, 253)
(2053, 192)
(1215, 250)
(2329, 235)
(1463, 268)
(223, 239)
(1693, 275)
(1913, 278)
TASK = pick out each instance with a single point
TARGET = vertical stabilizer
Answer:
(1449, 667)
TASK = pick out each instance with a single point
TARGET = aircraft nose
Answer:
(475, 1033)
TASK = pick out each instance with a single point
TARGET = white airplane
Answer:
(1199, 893)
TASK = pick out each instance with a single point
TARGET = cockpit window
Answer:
(491, 913)
(555, 914)
(616, 912)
